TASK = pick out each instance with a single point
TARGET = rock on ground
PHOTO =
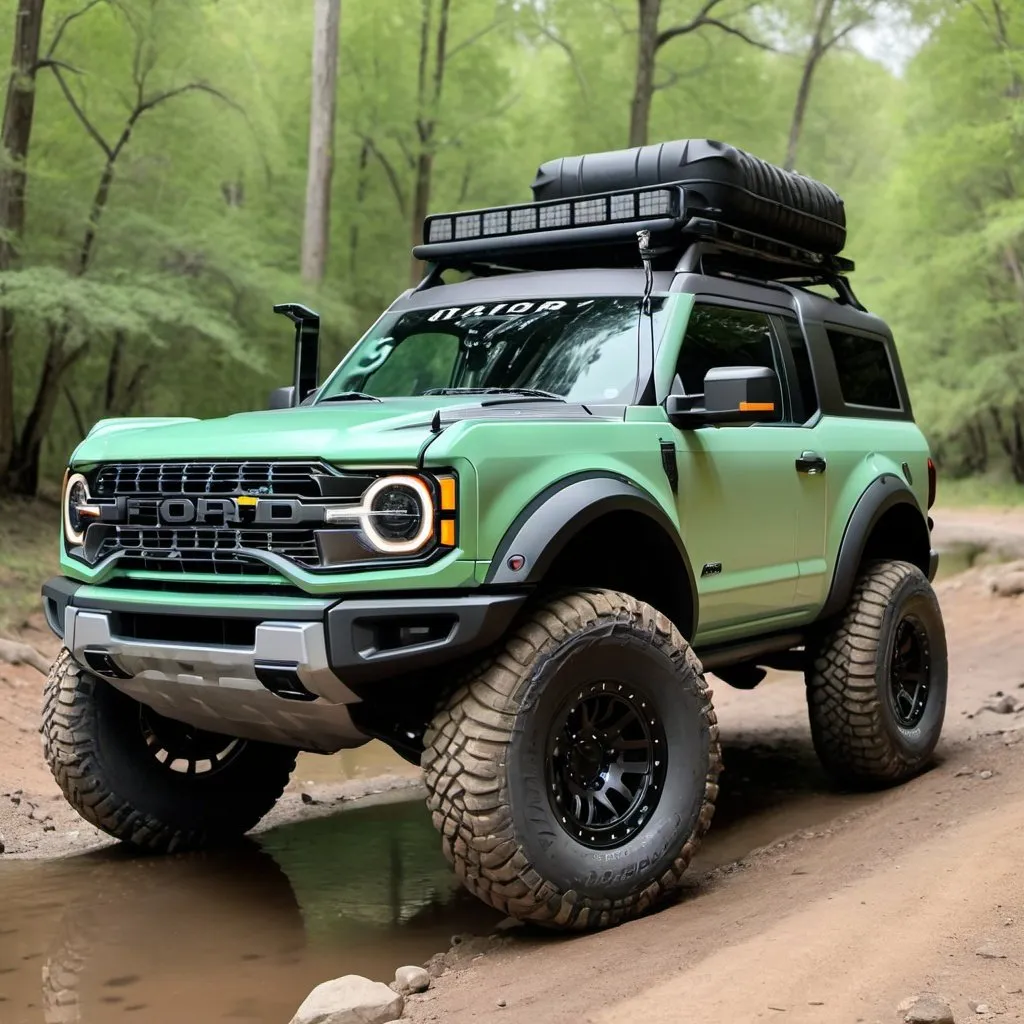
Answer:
(927, 1009)
(352, 999)
(411, 979)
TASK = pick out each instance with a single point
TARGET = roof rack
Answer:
(600, 230)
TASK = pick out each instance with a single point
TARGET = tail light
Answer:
(931, 483)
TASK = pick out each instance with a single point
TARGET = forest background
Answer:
(156, 196)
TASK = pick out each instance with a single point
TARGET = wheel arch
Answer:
(586, 514)
(886, 523)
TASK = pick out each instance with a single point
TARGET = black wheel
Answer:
(154, 783)
(876, 681)
(574, 775)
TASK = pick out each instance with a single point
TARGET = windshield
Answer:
(581, 349)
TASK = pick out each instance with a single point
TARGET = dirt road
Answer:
(885, 897)
(853, 902)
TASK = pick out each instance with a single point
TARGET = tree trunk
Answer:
(362, 183)
(643, 87)
(19, 109)
(316, 228)
(23, 472)
(822, 17)
(426, 123)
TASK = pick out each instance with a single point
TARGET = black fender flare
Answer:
(555, 516)
(882, 494)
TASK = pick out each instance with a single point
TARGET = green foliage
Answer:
(199, 234)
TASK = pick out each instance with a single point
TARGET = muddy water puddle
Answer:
(243, 935)
(239, 935)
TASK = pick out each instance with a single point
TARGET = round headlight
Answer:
(76, 494)
(397, 514)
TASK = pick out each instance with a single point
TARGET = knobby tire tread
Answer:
(69, 747)
(464, 763)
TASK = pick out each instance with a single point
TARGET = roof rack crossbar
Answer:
(682, 234)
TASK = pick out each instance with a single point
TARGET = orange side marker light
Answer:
(757, 407)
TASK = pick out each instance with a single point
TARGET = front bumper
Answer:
(286, 675)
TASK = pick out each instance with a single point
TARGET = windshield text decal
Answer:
(501, 308)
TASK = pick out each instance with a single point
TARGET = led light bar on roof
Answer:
(610, 208)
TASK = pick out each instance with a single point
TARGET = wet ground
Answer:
(240, 935)
(245, 934)
(99, 937)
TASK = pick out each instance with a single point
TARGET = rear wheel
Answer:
(147, 780)
(876, 681)
(574, 775)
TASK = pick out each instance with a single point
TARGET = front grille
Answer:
(175, 479)
(199, 549)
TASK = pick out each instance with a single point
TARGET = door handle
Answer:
(810, 463)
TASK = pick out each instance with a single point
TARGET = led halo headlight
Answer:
(77, 509)
(397, 514)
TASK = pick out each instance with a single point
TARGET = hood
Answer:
(391, 431)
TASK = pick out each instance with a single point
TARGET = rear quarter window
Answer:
(864, 369)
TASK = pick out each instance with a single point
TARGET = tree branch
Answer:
(470, 40)
(50, 62)
(555, 38)
(389, 171)
(160, 97)
(63, 24)
(80, 113)
(739, 33)
(699, 19)
(844, 32)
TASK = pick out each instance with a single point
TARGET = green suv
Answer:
(619, 436)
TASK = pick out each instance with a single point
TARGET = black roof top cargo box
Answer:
(734, 186)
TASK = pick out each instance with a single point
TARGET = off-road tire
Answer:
(857, 733)
(486, 760)
(95, 747)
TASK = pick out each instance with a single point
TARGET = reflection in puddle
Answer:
(241, 934)
(245, 934)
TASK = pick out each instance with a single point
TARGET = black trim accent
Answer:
(668, 463)
(62, 590)
(550, 521)
(882, 494)
(58, 592)
(933, 564)
(357, 628)
(750, 649)
(282, 679)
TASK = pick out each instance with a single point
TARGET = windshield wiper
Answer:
(525, 392)
(350, 396)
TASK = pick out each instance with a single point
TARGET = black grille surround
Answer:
(141, 540)
(199, 549)
(177, 479)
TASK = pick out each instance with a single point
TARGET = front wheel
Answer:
(147, 780)
(573, 777)
(876, 680)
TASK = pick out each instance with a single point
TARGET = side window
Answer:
(413, 365)
(865, 373)
(805, 396)
(716, 336)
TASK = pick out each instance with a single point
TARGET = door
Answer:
(747, 494)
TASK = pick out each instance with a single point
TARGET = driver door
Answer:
(741, 498)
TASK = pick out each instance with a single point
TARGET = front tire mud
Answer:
(104, 751)
(534, 768)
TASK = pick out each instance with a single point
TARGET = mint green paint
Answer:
(259, 602)
(740, 501)
(452, 571)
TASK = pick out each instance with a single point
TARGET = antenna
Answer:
(646, 255)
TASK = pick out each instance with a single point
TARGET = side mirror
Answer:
(282, 398)
(732, 395)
